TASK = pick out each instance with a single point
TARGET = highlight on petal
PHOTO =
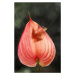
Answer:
(35, 44)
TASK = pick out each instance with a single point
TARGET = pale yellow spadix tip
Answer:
(44, 28)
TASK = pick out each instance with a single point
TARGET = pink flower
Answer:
(35, 46)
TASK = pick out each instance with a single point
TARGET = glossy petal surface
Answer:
(35, 43)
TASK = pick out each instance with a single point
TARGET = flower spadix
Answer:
(35, 46)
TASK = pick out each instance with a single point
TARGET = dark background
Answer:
(45, 14)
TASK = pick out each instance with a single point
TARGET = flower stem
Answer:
(39, 67)
(38, 64)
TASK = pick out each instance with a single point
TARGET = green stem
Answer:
(39, 67)
(38, 64)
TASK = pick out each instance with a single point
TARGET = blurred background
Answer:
(45, 14)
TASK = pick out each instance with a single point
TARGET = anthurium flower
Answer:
(35, 46)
